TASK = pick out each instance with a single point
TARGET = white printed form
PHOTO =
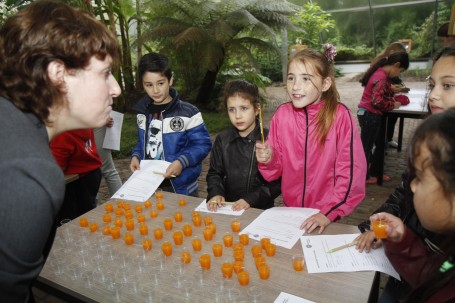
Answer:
(143, 182)
(349, 259)
(224, 210)
(280, 224)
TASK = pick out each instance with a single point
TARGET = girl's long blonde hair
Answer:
(325, 69)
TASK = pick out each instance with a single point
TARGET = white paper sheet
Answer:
(144, 182)
(225, 210)
(280, 224)
(114, 133)
(345, 260)
(284, 297)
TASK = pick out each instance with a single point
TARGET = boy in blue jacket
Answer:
(168, 128)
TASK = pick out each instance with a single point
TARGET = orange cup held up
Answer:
(379, 229)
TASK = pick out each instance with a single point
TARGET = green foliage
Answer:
(215, 122)
(362, 52)
(312, 22)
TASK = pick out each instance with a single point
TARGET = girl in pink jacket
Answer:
(314, 144)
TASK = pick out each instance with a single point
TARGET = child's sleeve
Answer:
(382, 96)
(138, 150)
(216, 173)
(350, 169)
(199, 143)
(263, 197)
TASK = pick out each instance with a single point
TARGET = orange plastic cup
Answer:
(238, 266)
(138, 208)
(208, 220)
(166, 247)
(204, 260)
(264, 272)
(129, 224)
(148, 204)
(93, 227)
(159, 205)
(147, 244)
(380, 229)
(244, 239)
(256, 250)
(259, 261)
(126, 205)
(107, 218)
(178, 217)
(237, 246)
(297, 262)
(143, 229)
(129, 214)
(106, 230)
(159, 193)
(239, 254)
(167, 223)
(217, 249)
(158, 233)
(212, 226)
(153, 214)
(197, 244)
(227, 269)
(83, 222)
(270, 250)
(235, 225)
(185, 256)
(119, 212)
(265, 242)
(228, 239)
(118, 222)
(244, 278)
(120, 204)
(182, 202)
(197, 221)
(178, 237)
(140, 218)
(109, 207)
(187, 230)
(208, 234)
(129, 239)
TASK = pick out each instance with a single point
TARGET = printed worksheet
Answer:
(318, 259)
(284, 297)
(280, 224)
(225, 210)
(143, 182)
(114, 133)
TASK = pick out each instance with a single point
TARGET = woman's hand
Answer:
(366, 241)
(314, 221)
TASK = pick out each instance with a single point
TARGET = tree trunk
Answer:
(139, 41)
(206, 89)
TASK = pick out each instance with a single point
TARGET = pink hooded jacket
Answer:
(331, 179)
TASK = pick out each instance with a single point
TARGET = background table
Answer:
(416, 109)
(67, 271)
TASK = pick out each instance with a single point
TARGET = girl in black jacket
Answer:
(233, 175)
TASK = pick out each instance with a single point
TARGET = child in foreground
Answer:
(314, 145)
(233, 174)
(433, 164)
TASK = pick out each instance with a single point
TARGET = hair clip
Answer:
(330, 52)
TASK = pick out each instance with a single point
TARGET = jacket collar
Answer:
(145, 101)
(234, 133)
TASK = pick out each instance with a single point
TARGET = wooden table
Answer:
(62, 272)
(416, 109)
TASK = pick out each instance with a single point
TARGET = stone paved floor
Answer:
(350, 92)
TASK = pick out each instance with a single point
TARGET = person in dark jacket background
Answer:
(168, 128)
(233, 174)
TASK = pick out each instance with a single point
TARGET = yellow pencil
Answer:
(260, 124)
(161, 173)
(342, 247)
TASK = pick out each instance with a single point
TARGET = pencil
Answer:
(341, 247)
(261, 125)
(161, 173)
(222, 202)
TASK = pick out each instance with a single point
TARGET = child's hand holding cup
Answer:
(387, 226)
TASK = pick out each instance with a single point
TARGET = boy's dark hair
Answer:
(402, 58)
(443, 30)
(242, 88)
(155, 63)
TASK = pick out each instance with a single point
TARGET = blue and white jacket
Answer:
(185, 138)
